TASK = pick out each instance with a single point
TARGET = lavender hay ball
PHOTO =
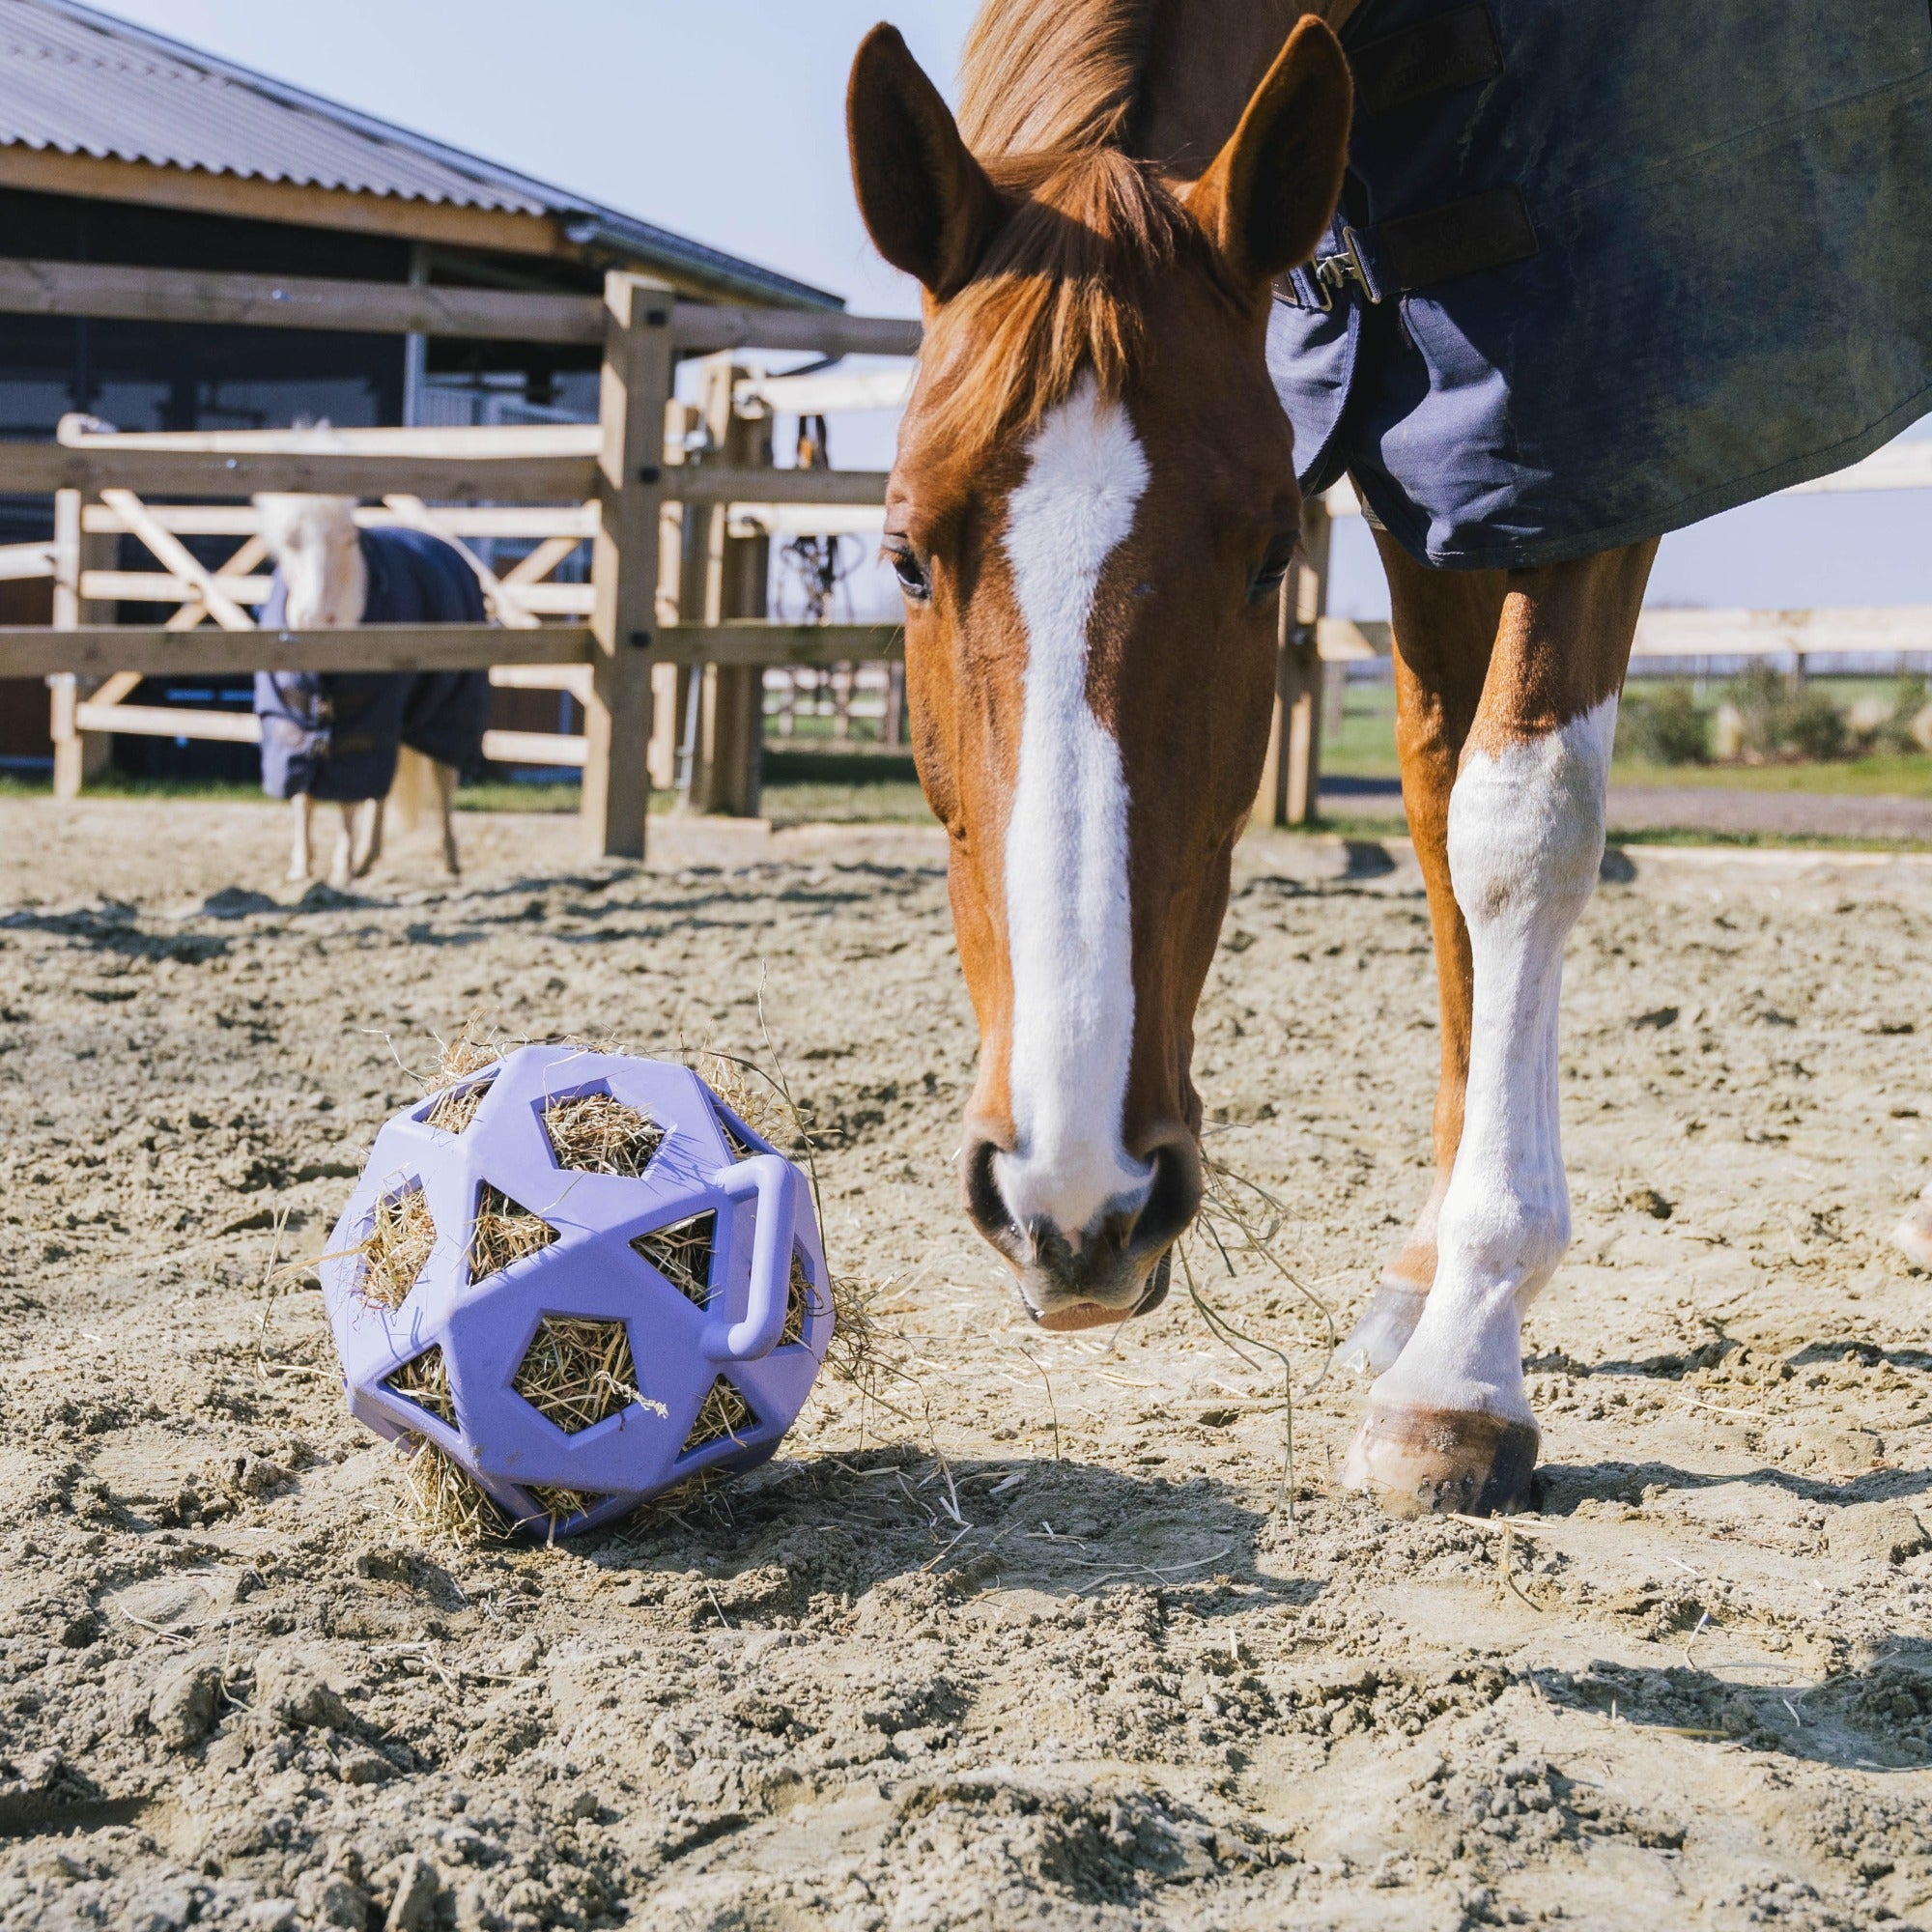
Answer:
(584, 1278)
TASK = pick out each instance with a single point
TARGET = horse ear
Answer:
(1270, 190)
(927, 204)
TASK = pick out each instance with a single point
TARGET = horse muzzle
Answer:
(1114, 1269)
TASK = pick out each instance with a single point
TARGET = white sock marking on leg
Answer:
(1069, 926)
(1525, 840)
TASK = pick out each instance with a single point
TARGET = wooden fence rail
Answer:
(616, 484)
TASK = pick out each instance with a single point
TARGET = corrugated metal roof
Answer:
(79, 82)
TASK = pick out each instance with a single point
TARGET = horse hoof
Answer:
(1912, 1236)
(1441, 1462)
(1383, 1330)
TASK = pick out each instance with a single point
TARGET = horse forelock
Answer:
(1049, 97)
(1036, 80)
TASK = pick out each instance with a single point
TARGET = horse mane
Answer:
(1048, 98)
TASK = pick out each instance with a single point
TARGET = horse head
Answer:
(1090, 515)
(313, 542)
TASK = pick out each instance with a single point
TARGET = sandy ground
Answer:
(1042, 1650)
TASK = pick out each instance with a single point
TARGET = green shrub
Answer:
(1814, 727)
(1783, 717)
(1896, 735)
(1664, 726)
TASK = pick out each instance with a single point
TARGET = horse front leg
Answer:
(367, 838)
(446, 801)
(1449, 1426)
(300, 857)
(1445, 626)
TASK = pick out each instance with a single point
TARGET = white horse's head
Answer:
(314, 543)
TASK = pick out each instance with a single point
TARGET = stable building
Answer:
(119, 146)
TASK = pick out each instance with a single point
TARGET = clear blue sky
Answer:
(723, 120)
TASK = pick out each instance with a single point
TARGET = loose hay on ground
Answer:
(446, 1499)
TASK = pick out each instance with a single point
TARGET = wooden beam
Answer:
(170, 552)
(27, 559)
(574, 678)
(777, 645)
(1880, 630)
(537, 523)
(294, 301)
(475, 442)
(700, 326)
(100, 649)
(38, 468)
(716, 483)
(162, 586)
(1351, 641)
(1292, 774)
(729, 585)
(112, 290)
(635, 391)
(169, 721)
(507, 230)
(534, 747)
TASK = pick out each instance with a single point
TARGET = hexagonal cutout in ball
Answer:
(396, 1249)
(586, 1302)
(578, 1372)
(594, 1132)
(682, 1254)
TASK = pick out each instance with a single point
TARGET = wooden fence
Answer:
(665, 643)
(614, 482)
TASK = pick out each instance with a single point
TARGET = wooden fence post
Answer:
(1291, 776)
(725, 760)
(77, 755)
(636, 388)
(680, 600)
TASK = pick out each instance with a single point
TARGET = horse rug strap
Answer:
(1603, 268)
(335, 734)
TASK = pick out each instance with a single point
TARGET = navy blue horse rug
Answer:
(334, 735)
(1603, 268)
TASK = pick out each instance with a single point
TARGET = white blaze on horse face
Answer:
(1526, 842)
(1070, 923)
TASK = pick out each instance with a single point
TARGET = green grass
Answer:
(1365, 748)
(1883, 775)
(857, 786)
(118, 784)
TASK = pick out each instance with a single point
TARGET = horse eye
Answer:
(912, 579)
(1267, 580)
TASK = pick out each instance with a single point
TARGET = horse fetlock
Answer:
(1422, 1461)
(1912, 1236)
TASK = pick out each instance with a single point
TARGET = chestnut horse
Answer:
(1092, 513)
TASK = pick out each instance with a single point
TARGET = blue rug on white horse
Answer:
(334, 735)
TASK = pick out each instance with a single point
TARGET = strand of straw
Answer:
(1232, 1338)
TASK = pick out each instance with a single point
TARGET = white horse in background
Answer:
(323, 563)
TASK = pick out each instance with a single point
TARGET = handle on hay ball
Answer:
(774, 1182)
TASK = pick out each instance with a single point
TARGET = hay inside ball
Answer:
(580, 1278)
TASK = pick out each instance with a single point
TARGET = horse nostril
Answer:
(984, 1202)
(1173, 1199)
